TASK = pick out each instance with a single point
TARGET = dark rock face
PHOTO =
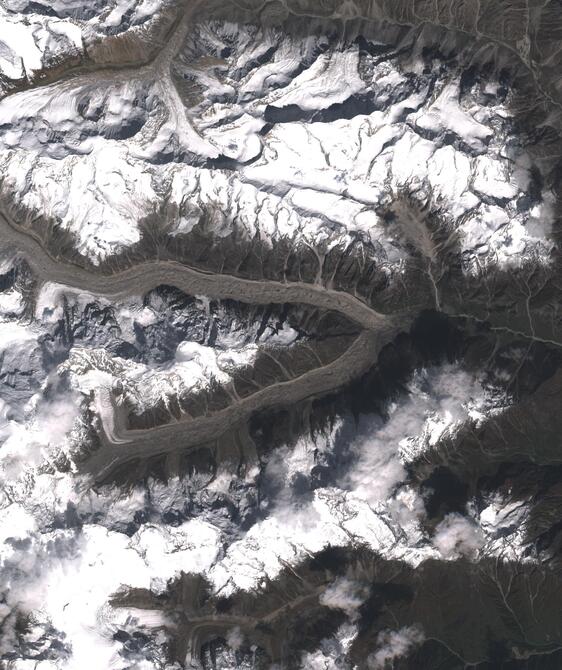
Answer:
(280, 335)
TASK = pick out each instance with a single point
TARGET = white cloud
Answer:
(457, 536)
(439, 401)
(235, 638)
(377, 509)
(331, 654)
(345, 594)
(26, 445)
(393, 644)
(67, 577)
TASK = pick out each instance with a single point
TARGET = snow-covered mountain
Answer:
(280, 334)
